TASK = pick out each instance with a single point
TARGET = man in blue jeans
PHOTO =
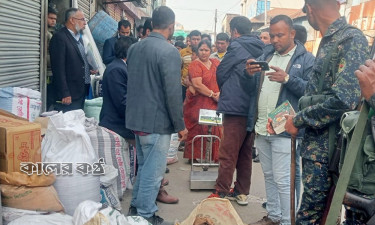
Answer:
(154, 109)
(291, 65)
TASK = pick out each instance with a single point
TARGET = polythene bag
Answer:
(66, 141)
(51, 219)
(85, 211)
(173, 149)
(10, 214)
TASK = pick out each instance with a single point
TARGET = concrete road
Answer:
(179, 178)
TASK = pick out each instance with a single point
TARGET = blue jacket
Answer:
(233, 99)
(154, 100)
(109, 50)
(112, 115)
(299, 69)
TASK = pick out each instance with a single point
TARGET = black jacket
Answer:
(109, 50)
(233, 99)
(112, 115)
(67, 66)
(299, 69)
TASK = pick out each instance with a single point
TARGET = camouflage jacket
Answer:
(342, 87)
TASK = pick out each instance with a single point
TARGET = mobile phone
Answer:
(262, 64)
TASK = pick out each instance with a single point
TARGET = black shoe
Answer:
(156, 220)
(132, 211)
(167, 170)
(256, 159)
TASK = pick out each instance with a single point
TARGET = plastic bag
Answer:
(51, 219)
(173, 149)
(66, 141)
(85, 211)
(10, 214)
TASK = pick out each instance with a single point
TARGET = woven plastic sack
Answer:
(93, 107)
(218, 210)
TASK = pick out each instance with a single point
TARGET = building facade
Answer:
(225, 23)
(252, 8)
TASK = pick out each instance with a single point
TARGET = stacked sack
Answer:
(66, 141)
(21, 192)
(115, 151)
(93, 107)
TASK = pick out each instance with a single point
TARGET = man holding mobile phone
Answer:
(290, 66)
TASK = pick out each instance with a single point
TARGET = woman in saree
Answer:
(203, 93)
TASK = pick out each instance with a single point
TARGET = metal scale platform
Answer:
(201, 177)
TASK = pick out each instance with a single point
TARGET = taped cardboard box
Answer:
(20, 141)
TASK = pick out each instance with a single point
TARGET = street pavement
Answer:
(179, 178)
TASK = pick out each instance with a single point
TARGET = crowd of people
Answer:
(153, 88)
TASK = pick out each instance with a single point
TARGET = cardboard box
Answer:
(20, 141)
(9, 114)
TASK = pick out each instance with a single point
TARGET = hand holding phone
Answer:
(262, 64)
(253, 66)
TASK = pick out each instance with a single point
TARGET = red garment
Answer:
(193, 103)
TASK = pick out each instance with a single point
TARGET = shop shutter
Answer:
(84, 5)
(20, 33)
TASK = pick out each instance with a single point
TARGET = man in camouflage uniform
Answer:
(366, 78)
(341, 93)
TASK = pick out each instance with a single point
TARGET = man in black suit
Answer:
(124, 29)
(70, 68)
(112, 115)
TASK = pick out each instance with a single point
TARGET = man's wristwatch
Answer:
(286, 79)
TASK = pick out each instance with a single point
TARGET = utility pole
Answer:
(215, 24)
(265, 12)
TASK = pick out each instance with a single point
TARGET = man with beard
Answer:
(70, 68)
(123, 30)
(153, 68)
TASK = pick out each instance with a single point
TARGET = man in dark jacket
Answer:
(235, 149)
(115, 78)
(291, 65)
(123, 29)
(70, 68)
(154, 108)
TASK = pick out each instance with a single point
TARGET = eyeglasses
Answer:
(83, 19)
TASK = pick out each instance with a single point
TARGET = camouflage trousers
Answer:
(316, 187)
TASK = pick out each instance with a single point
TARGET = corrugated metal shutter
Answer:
(20, 33)
(84, 5)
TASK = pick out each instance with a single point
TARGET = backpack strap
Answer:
(355, 145)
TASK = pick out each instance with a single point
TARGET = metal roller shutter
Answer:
(84, 5)
(20, 43)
